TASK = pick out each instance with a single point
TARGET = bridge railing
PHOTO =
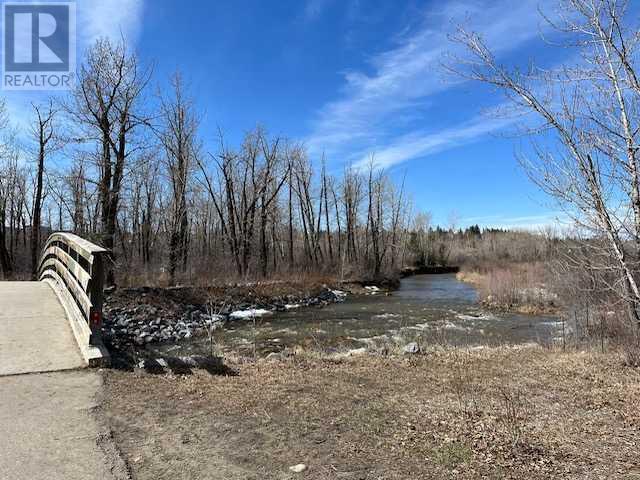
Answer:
(74, 267)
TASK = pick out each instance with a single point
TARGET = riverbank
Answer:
(428, 270)
(480, 413)
(519, 287)
(135, 317)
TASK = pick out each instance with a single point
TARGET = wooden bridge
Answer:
(55, 323)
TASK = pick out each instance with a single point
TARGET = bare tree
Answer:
(6, 152)
(179, 138)
(43, 133)
(272, 181)
(107, 102)
(590, 123)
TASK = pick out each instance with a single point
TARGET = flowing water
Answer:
(428, 309)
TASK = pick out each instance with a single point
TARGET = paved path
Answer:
(35, 335)
(48, 430)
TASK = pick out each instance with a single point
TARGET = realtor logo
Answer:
(39, 45)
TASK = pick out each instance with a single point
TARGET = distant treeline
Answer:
(136, 178)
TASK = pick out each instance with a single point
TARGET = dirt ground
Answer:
(521, 413)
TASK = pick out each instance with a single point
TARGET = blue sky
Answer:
(350, 78)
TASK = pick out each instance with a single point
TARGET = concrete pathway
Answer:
(35, 335)
(48, 426)
(49, 431)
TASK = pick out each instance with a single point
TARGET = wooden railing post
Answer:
(96, 286)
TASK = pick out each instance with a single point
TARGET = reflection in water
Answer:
(429, 309)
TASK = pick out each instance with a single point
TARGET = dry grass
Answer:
(224, 273)
(518, 287)
(490, 413)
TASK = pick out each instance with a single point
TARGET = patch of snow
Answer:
(339, 293)
(291, 306)
(252, 313)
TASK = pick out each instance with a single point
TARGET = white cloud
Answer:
(402, 79)
(109, 18)
(419, 144)
(534, 223)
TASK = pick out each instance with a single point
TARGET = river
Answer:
(428, 309)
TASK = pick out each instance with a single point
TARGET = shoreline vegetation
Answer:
(519, 288)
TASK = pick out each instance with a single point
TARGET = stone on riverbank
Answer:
(301, 467)
(411, 348)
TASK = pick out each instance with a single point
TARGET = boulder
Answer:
(411, 348)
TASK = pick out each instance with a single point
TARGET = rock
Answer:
(197, 361)
(301, 467)
(411, 348)
(339, 293)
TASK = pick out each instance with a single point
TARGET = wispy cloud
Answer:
(419, 144)
(109, 18)
(403, 79)
(534, 223)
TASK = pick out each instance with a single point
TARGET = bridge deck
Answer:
(35, 335)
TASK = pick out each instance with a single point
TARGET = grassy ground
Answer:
(490, 413)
